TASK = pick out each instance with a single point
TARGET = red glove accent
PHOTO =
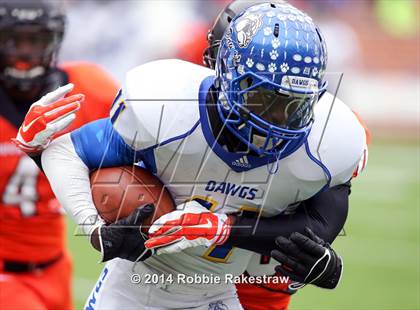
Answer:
(46, 117)
(192, 226)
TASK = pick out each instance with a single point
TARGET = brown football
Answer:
(117, 191)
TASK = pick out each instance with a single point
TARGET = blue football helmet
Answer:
(270, 72)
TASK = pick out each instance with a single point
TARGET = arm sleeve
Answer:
(325, 214)
(68, 161)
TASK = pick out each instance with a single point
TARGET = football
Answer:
(117, 191)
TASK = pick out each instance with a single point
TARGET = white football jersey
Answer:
(161, 113)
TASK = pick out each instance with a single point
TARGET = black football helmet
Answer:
(215, 33)
(31, 32)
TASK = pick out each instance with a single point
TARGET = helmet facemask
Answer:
(264, 116)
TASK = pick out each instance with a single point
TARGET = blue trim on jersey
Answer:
(148, 159)
(221, 251)
(99, 145)
(320, 164)
(148, 153)
(117, 112)
(183, 136)
(238, 162)
(117, 97)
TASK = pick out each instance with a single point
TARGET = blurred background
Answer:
(374, 46)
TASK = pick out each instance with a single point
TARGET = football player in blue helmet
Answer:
(270, 66)
(270, 72)
(257, 296)
(269, 76)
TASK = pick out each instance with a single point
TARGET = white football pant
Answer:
(115, 290)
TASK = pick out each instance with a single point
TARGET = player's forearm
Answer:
(325, 214)
(69, 179)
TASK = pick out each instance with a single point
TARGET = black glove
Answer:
(124, 238)
(308, 260)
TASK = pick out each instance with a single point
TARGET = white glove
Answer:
(49, 115)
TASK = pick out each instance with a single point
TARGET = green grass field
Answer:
(380, 249)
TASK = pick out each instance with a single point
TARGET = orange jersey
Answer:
(263, 297)
(31, 224)
(49, 288)
(192, 46)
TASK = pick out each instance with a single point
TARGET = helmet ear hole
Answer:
(229, 19)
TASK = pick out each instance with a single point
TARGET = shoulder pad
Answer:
(160, 102)
(337, 138)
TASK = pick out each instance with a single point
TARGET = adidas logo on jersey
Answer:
(242, 162)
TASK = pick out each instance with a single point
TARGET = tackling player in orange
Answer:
(35, 269)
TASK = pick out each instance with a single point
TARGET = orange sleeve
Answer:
(258, 297)
(192, 46)
(98, 87)
(367, 131)
(363, 160)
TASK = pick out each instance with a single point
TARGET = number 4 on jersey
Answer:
(21, 187)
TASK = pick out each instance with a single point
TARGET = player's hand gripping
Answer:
(308, 259)
(49, 115)
(190, 225)
(124, 238)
